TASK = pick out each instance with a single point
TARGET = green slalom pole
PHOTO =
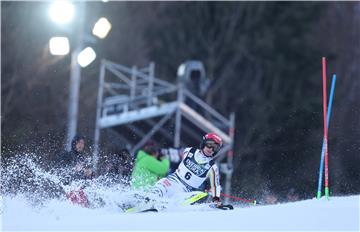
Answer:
(327, 195)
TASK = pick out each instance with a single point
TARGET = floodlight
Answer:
(59, 46)
(62, 11)
(181, 70)
(86, 56)
(101, 28)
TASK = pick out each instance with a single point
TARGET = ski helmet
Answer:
(211, 140)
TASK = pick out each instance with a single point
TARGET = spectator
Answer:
(75, 165)
(149, 167)
(75, 161)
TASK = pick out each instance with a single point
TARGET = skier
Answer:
(197, 165)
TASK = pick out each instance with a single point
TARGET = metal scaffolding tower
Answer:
(130, 95)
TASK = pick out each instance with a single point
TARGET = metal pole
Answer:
(151, 133)
(180, 99)
(230, 154)
(98, 114)
(73, 98)
(75, 76)
(151, 83)
(133, 83)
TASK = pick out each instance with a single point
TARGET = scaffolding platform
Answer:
(128, 96)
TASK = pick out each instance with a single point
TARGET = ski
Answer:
(148, 210)
(222, 207)
(137, 210)
(198, 197)
(195, 198)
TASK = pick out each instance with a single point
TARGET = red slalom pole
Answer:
(253, 201)
(325, 129)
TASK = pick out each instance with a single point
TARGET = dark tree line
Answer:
(263, 60)
(264, 63)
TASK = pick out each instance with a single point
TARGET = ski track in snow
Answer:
(336, 214)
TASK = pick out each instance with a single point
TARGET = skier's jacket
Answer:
(148, 170)
(196, 167)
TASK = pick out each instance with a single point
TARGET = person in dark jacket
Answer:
(76, 161)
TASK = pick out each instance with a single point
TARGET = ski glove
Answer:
(172, 154)
(219, 205)
(216, 200)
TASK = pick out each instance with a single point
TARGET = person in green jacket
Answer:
(149, 167)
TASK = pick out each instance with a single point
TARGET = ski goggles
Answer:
(214, 146)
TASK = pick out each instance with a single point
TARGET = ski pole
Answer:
(253, 201)
(323, 146)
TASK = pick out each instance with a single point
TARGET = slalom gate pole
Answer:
(323, 146)
(325, 129)
(252, 201)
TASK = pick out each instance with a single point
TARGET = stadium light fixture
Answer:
(62, 11)
(101, 28)
(86, 56)
(59, 46)
(181, 70)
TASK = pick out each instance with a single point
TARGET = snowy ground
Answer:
(31, 208)
(337, 214)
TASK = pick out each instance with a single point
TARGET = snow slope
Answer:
(32, 207)
(336, 214)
